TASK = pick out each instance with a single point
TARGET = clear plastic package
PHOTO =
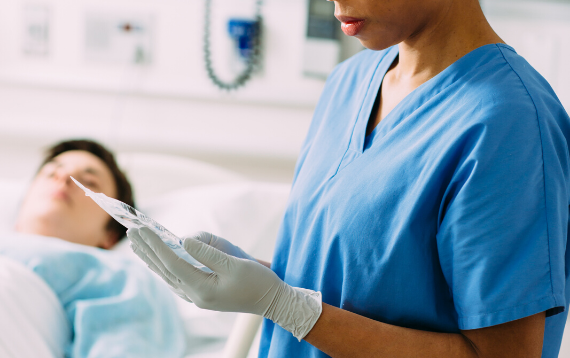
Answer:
(130, 217)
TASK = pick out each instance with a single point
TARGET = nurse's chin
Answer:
(373, 43)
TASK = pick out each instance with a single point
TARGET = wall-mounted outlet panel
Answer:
(36, 29)
(322, 45)
(118, 38)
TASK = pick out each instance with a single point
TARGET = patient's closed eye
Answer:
(48, 170)
(88, 177)
(90, 183)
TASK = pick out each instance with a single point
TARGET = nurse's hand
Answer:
(221, 244)
(235, 285)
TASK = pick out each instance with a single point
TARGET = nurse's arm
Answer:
(340, 333)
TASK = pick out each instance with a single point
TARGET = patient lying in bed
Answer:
(111, 306)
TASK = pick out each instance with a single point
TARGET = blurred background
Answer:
(133, 74)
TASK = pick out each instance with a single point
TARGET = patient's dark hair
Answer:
(124, 190)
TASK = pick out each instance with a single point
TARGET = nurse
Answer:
(429, 212)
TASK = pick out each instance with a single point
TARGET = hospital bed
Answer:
(186, 196)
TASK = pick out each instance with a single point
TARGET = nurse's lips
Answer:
(351, 26)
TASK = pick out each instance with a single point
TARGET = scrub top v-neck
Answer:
(454, 216)
(357, 141)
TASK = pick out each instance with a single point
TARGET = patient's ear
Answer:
(110, 239)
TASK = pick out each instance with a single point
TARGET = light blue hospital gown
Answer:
(116, 308)
(452, 215)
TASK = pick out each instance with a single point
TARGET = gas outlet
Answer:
(118, 39)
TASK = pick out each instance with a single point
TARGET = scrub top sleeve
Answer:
(498, 232)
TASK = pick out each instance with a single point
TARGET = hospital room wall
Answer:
(170, 106)
(167, 105)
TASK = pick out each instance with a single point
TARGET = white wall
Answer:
(168, 105)
(177, 60)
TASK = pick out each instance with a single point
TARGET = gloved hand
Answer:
(235, 285)
(221, 244)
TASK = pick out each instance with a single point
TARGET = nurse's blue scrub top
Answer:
(453, 215)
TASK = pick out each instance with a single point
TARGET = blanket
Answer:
(113, 305)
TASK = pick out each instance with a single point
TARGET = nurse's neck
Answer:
(456, 30)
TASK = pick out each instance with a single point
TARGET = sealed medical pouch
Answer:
(131, 218)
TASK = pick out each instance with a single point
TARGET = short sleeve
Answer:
(499, 229)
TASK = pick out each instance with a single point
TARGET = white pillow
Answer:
(29, 305)
(12, 193)
(152, 175)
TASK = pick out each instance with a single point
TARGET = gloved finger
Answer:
(223, 245)
(135, 236)
(138, 251)
(211, 257)
(136, 243)
(173, 264)
(180, 294)
(145, 253)
(163, 277)
(169, 280)
(172, 286)
(206, 237)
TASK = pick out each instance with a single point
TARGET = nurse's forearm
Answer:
(341, 333)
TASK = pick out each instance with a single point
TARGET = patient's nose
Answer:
(63, 175)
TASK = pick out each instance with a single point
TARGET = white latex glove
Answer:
(235, 285)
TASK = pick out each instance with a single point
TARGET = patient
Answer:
(114, 306)
(55, 206)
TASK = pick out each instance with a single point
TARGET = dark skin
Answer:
(340, 333)
(431, 35)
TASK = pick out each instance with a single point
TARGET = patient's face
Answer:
(55, 206)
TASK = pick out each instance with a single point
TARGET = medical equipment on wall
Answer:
(36, 26)
(131, 218)
(119, 38)
(322, 46)
(246, 36)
